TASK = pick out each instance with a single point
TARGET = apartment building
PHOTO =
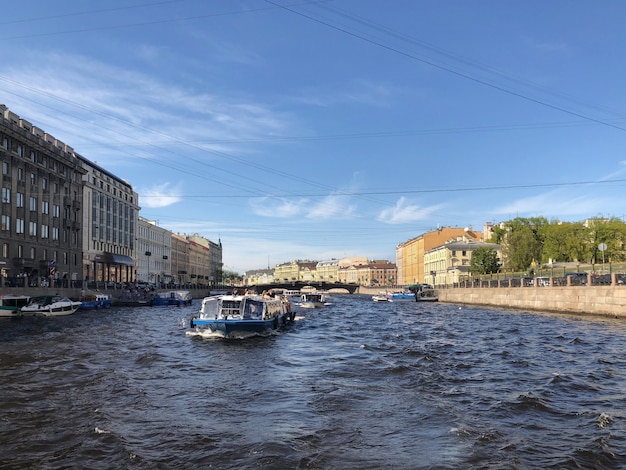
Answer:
(40, 209)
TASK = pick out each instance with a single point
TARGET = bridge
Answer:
(299, 285)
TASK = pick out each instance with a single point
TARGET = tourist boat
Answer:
(313, 300)
(242, 315)
(50, 305)
(95, 301)
(176, 298)
(10, 305)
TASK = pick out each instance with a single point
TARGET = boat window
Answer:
(253, 310)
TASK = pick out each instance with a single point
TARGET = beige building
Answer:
(410, 254)
(180, 259)
(328, 270)
(258, 277)
(213, 269)
(296, 271)
(154, 246)
(347, 269)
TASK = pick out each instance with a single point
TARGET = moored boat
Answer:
(424, 292)
(50, 305)
(242, 315)
(95, 301)
(404, 296)
(176, 298)
(10, 305)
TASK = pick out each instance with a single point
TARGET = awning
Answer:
(112, 258)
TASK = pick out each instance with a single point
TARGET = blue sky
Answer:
(323, 129)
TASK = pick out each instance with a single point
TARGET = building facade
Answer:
(109, 221)
(410, 254)
(40, 209)
(154, 246)
(449, 263)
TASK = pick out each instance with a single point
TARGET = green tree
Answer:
(522, 241)
(484, 261)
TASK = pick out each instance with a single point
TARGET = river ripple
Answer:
(356, 385)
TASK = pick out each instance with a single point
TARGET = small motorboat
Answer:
(50, 306)
(312, 300)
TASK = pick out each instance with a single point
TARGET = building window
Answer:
(5, 143)
(20, 251)
(44, 184)
(5, 168)
(55, 233)
(33, 178)
(45, 207)
(6, 222)
(19, 225)
(44, 231)
(6, 196)
(20, 151)
(19, 199)
(56, 210)
(20, 174)
(32, 229)
(33, 253)
(5, 250)
(33, 157)
(33, 204)
(55, 188)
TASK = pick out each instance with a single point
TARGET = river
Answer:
(354, 385)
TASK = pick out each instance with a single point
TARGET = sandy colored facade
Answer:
(410, 255)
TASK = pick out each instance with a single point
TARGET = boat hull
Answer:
(231, 328)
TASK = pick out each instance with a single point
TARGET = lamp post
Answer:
(148, 254)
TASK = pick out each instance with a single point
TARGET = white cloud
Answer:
(277, 207)
(159, 196)
(403, 212)
(332, 206)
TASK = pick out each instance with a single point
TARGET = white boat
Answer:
(313, 300)
(381, 297)
(10, 305)
(242, 315)
(404, 296)
(50, 305)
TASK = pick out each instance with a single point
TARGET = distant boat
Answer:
(10, 305)
(176, 298)
(313, 300)
(242, 315)
(424, 292)
(404, 296)
(50, 306)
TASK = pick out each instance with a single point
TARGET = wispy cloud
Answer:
(404, 212)
(161, 195)
(332, 206)
(277, 207)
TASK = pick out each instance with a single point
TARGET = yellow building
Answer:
(410, 254)
(446, 264)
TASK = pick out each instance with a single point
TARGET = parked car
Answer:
(543, 281)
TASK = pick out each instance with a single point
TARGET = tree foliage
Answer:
(526, 241)
(484, 261)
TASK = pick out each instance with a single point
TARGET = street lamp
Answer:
(148, 254)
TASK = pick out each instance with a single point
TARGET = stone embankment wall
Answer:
(595, 300)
